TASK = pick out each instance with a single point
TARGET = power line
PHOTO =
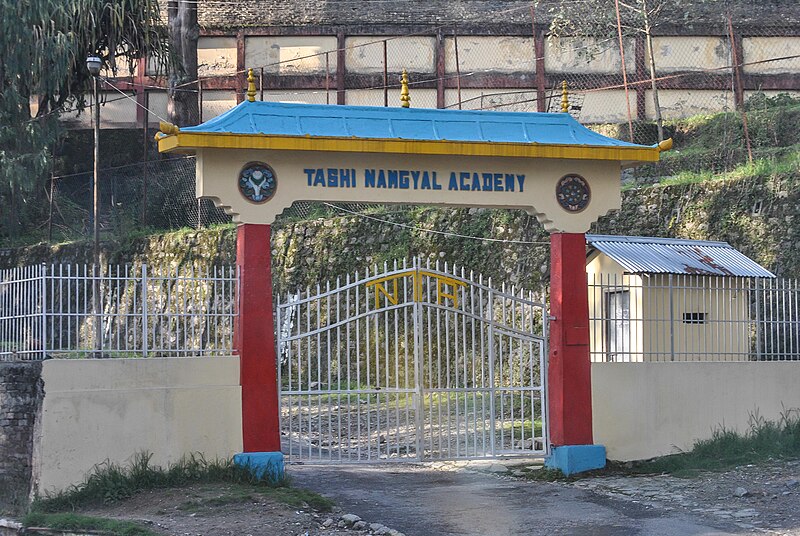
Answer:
(124, 166)
(434, 231)
(136, 102)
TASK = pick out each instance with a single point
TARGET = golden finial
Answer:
(405, 98)
(251, 86)
(564, 97)
(166, 129)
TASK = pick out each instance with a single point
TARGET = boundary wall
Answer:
(513, 67)
(644, 410)
(99, 410)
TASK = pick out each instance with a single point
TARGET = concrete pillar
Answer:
(254, 339)
(569, 371)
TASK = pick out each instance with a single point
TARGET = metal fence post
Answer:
(492, 390)
(758, 319)
(144, 310)
(43, 292)
(671, 321)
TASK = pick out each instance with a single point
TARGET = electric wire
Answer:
(435, 231)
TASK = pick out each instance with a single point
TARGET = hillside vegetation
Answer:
(710, 146)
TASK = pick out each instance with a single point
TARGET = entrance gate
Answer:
(414, 362)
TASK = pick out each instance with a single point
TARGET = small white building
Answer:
(664, 299)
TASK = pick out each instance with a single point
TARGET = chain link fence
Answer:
(157, 195)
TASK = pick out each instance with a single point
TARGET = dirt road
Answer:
(422, 500)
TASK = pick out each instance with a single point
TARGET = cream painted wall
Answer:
(364, 54)
(115, 111)
(759, 49)
(586, 56)
(216, 56)
(112, 409)
(216, 102)
(498, 100)
(311, 96)
(694, 53)
(643, 410)
(504, 54)
(596, 106)
(291, 54)
(726, 332)
(420, 98)
(157, 104)
(607, 106)
(306, 55)
(603, 271)
(678, 103)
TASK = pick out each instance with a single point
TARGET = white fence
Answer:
(670, 317)
(117, 311)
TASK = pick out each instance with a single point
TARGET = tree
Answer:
(184, 32)
(601, 20)
(45, 44)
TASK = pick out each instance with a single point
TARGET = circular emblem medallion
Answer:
(257, 182)
(572, 193)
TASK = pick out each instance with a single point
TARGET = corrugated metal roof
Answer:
(421, 124)
(640, 254)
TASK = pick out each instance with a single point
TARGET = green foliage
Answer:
(76, 522)
(715, 143)
(45, 44)
(110, 483)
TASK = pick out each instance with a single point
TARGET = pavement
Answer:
(422, 500)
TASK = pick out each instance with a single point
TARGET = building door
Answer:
(618, 325)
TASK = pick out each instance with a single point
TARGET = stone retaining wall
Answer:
(21, 394)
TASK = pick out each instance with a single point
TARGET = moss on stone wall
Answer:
(758, 213)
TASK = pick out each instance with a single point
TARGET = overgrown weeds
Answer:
(110, 482)
(727, 448)
(711, 146)
(764, 440)
(75, 522)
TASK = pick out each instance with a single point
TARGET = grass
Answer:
(76, 522)
(526, 428)
(785, 166)
(110, 483)
(712, 146)
(765, 440)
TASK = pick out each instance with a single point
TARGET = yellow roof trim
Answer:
(187, 141)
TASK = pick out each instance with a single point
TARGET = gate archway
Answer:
(417, 361)
(258, 158)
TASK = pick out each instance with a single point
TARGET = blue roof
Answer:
(420, 124)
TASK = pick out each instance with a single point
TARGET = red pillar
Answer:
(254, 338)
(569, 370)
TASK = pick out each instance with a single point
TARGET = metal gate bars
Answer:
(413, 363)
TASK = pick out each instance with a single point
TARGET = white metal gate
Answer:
(415, 362)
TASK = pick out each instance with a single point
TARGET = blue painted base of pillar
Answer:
(571, 459)
(267, 465)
